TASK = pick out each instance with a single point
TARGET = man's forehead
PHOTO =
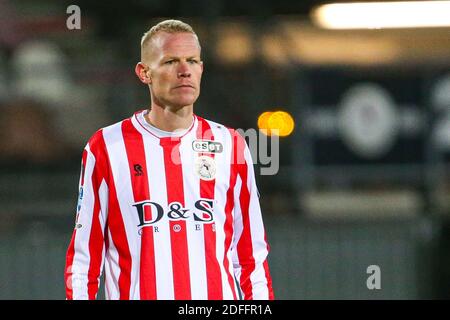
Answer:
(173, 43)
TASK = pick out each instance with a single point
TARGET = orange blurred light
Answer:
(263, 119)
(278, 123)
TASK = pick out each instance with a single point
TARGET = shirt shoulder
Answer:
(97, 140)
(219, 128)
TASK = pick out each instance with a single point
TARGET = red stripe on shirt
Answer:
(267, 272)
(95, 246)
(116, 227)
(228, 227)
(71, 250)
(134, 146)
(96, 234)
(245, 246)
(213, 274)
(178, 237)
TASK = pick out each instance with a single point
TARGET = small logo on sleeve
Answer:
(80, 198)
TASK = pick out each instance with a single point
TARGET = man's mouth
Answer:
(185, 86)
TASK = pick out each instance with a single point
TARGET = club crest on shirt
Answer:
(205, 168)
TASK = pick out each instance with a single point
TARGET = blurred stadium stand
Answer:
(364, 179)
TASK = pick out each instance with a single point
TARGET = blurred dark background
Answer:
(364, 178)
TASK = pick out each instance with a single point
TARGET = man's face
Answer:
(175, 69)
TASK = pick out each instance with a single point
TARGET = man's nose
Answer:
(183, 71)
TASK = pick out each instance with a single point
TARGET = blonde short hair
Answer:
(169, 26)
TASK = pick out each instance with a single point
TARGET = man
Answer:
(168, 203)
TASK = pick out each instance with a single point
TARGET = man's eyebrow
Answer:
(177, 58)
(170, 58)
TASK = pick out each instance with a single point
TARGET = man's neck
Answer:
(170, 119)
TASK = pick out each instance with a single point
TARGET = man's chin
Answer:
(181, 103)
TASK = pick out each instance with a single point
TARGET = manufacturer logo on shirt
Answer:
(205, 168)
(138, 170)
(207, 146)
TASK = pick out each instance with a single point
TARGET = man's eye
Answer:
(169, 62)
(192, 61)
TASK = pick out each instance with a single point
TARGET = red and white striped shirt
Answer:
(168, 217)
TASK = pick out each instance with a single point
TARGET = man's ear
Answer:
(143, 73)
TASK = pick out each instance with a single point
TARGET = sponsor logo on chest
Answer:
(207, 146)
(202, 214)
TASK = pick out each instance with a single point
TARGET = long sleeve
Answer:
(251, 247)
(85, 254)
